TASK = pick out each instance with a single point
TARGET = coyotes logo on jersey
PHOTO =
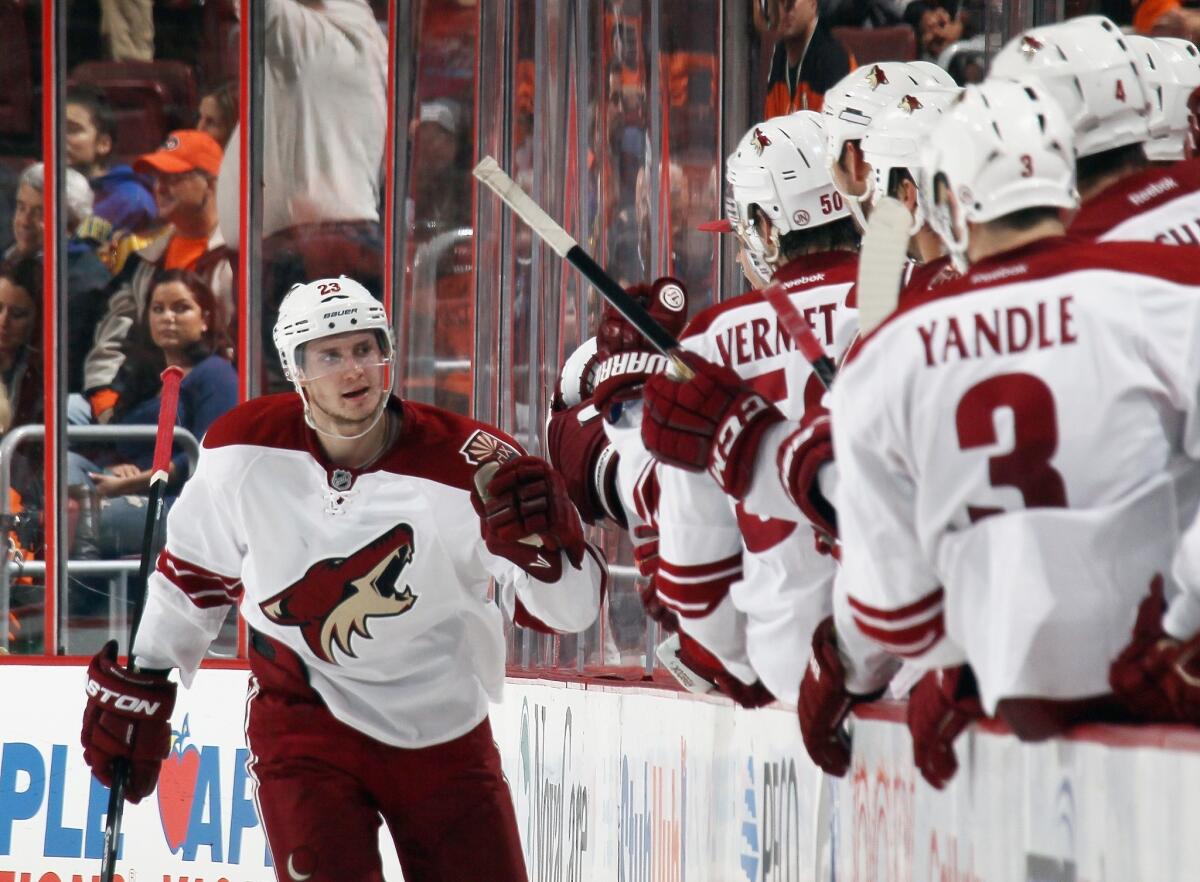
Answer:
(333, 600)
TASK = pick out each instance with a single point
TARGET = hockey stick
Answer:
(493, 177)
(881, 262)
(171, 378)
(801, 333)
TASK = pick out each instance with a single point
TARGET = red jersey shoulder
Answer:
(1136, 194)
(446, 447)
(269, 421)
(1050, 257)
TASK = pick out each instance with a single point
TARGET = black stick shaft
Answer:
(626, 305)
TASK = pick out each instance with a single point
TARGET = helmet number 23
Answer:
(328, 288)
(1026, 467)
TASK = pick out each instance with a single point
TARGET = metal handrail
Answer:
(22, 434)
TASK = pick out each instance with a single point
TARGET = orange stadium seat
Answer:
(868, 45)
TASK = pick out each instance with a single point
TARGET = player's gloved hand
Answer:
(578, 448)
(526, 498)
(645, 558)
(626, 357)
(712, 421)
(800, 459)
(128, 716)
(1156, 676)
(706, 665)
(825, 702)
(943, 703)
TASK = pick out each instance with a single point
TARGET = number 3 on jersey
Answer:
(1035, 438)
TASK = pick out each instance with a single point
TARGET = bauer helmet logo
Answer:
(877, 77)
(333, 600)
(672, 297)
(759, 141)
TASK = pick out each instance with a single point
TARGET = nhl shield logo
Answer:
(341, 480)
(483, 447)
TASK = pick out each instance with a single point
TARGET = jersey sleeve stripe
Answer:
(202, 587)
(927, 603)
(906, 642)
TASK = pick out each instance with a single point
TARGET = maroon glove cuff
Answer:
(735, 445)
(800, 459)
(580, 451)
(942, 704)
(708, 666)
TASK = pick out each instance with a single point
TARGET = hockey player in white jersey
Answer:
(347, 527)
(1099, 77)
(788, 215)
(1010, 446)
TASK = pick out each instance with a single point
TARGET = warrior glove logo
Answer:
(333, 600)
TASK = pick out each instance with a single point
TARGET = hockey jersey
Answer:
(1016, 451)
(721, 566)
(377, 579)
(1154, 205)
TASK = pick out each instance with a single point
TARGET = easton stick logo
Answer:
(333, 600)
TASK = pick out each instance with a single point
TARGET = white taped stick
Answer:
(493, 177)
(882, 259)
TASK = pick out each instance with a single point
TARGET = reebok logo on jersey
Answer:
(1144, 195)
(332, 601)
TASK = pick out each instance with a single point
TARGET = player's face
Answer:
(344, 377)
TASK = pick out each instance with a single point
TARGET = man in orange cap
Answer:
(184, 171)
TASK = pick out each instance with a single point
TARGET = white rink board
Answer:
(636, 785)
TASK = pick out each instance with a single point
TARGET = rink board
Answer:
(632, 783)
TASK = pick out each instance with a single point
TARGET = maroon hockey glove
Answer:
(645, 558)
(578, 448)
(825, 702)
(626, 357)
(706, 665)
(527, 498)
(940, 706)
(800, 459)
(1156, 676)
(128, 716)
(712, 421)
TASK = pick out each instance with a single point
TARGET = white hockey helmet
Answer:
(851, 104)
(324, 308)
(1170, 69)
(779, 165)
(895, 138)
(1001, 147)
(1091, 69)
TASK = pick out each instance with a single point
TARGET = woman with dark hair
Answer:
(218, 113)
(186, 327)
(20, 362)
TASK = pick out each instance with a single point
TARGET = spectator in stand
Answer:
(122, 198)
(20, 359)
(938, 26)
(1166, 18)
(218, 113)
(326, 89)
(184, 171)
(128, 29)
(807, 58)
(186, 326)
(87, 277)
(441, 195)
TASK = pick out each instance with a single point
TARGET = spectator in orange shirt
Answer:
(1166, 18)
(807, 59)
(184, 170)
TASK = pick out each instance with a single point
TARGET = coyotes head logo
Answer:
(333, 600)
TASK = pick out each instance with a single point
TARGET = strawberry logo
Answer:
(177, 787)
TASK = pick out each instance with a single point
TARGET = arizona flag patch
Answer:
(483, 447)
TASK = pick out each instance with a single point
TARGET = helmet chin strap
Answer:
(379, 411)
